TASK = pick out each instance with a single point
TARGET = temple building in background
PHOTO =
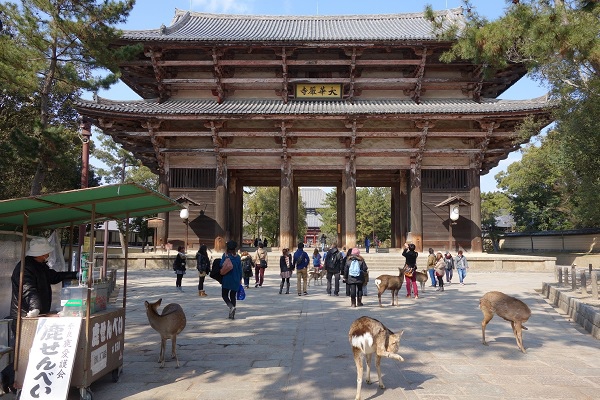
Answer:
(230, 101)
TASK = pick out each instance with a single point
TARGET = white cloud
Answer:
(223, 6)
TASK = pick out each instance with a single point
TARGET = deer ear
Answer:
(400, 333)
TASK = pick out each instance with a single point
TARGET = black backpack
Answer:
(332, 261)
(215, 271)
(247, 265)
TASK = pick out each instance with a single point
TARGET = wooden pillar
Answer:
(396, 217)
(295, 216)
(404, 207)
(475, 198)
(415, 234)
(163, 231)
(285, 206)
(236, 210)
(221, 199)
(340, 206)
(349, 184)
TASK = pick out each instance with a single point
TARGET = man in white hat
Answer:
(37, 291)
(37, 280)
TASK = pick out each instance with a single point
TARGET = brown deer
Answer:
(168, 324)
(367, 336)
(391, 282)
(422, 278)
(509, 308)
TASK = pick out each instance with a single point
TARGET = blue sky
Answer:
(151, 14)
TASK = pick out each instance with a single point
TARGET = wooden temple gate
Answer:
(346, 101)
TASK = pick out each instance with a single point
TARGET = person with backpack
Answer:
(333, 265)
(203, 267)
(247, 267)
(301, 261)
(354, 275)
(449, 267)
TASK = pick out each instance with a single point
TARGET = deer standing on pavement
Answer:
(168, 324)
(367, 336)
(507, 307)
(391, 282)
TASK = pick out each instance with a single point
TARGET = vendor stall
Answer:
(100, 339)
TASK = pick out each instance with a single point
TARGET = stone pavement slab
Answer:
(291, 347)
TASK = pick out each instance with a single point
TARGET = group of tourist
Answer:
(349, 266)
(443, 265)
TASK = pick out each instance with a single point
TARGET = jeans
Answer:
(432, 277)
(449, 274)
(337, 282)
(229, 296)
(461, 274)
(259, 274)
(411, 282)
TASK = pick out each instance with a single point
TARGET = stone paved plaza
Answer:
(290, 347)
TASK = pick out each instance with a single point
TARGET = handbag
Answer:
(241, 293)
(263, 263)
(408, 271)
(227, 266)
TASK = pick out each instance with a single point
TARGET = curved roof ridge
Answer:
(448, 12)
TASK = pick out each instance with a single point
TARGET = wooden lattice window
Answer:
(445, 179)
(192, 178)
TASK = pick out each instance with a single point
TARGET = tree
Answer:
(50, 54)
(329, 217)
(263, 202)
(122, 166)
(559, 43)
(373, 214)
(493, 205)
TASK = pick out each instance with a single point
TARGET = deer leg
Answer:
(368, 362)
(487, 317)
(174, 349)
(379, 297)
(518, 335)
(161, 357)
(378, 366)
(359, 370)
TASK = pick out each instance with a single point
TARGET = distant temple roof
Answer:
(193, 26)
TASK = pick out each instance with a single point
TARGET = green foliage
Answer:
(329, 217)
(373, 213)
(49, 52)
(261, 213)
(493, 205)
(121, 165)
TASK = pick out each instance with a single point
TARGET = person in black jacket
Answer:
(355, 282)
(38, 279)
(179, 267)
(203, 267)
(411, 263)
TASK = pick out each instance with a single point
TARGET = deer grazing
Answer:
(391, 282)
(168, 324)
(367, 336)
(507, 307)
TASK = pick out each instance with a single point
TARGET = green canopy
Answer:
(102, 203)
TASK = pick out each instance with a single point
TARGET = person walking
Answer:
(323, 242)
(431, 259)
(354, 273)
(333, 265)
(203, 267)
(231, 269)
(411, 255)
(316, 259)
(179, 267)
(260, 263)
(461, 264)
(247, 267)
(301, 262)
(367, 244)
(286, 266)
(440, 270)
(449, 267)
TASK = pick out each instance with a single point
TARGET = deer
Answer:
(507, 307)
(168, 324)
(368, 336)
(422, 278)
(391, 282)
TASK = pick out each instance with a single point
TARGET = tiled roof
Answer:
(277, 107)
(193, 26)
(312, 197)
